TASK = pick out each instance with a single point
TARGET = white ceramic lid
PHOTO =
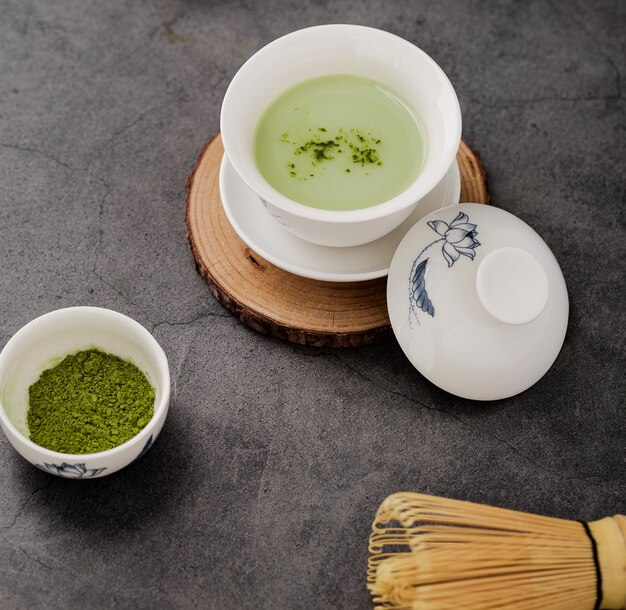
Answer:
(477, 301)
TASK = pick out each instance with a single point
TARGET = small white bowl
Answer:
(341, 49)
(44, 342)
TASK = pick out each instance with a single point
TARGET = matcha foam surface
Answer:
(340, 142)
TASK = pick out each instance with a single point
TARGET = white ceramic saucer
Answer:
(266, 237)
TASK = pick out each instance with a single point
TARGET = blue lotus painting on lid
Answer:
(458, 239)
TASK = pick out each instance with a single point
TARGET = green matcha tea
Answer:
(340, 143)
(91, 401)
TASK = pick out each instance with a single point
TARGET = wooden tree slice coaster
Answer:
(273, 301)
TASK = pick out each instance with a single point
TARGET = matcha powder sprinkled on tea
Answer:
(90, 402)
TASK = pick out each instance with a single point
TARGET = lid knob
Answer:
(512, 286)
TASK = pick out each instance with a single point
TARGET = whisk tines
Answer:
(430, 553)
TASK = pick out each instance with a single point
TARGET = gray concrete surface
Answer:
(260, 491)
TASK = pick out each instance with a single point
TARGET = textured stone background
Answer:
(260, 491)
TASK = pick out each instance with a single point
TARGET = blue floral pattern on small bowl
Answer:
(71, 471)
(459, 239)
(80, 471)
(145, 447)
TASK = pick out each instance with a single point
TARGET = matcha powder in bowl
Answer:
(90, 402)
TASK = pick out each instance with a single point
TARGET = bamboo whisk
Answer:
(430, 553)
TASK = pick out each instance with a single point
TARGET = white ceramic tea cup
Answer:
(43, 343)
(353, 50)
